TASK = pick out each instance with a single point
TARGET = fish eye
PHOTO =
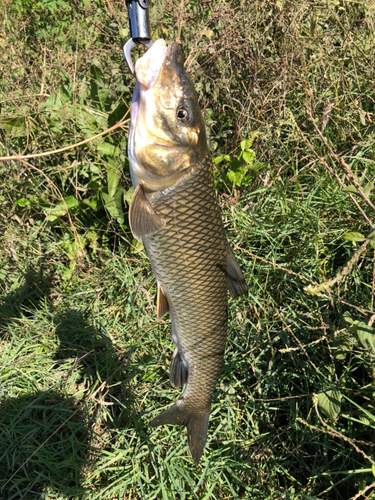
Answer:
(183, 114)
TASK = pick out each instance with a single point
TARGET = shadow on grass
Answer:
(86, 346)
(25, 299)
(45, 442)
(47, 438)
(94, 361)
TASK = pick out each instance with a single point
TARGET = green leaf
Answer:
(246, 144)
(94, 184)
(258, 165)
(91, 202)
(228, 390)
(15, 126)
(350, 189)
(128, 195)
(330, 403)
(368, 188)
(235, 177)
(366, 336)
(108, 149)
(53, 103)
(220, 158)
(61, 208)
(235, 165)
(354, 236)
(343, 343)
(114, 205)
(249, 156)
(136, 246)
(113, 179)
(99, 89)
(348, 318)
(69, 203)
(22, 202)
(118, 113)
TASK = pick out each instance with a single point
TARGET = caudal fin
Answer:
(196, 425)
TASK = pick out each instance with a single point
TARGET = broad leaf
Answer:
(113, 179)
(249, 156)
(354, 236)
(91, 202)
(366, 336)
(350, 189)
(99, 89)
(343, 343)
(235, 177)
(114, 205)
(61, 208)
(330, 403)
(246, 144)
(220, 158)
(22, 202)
(15, 126)
(128, 195)
(108, 149)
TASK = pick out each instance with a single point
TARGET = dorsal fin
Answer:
(142, 217)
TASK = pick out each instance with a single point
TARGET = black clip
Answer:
(140, 31)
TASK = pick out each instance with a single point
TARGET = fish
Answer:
(175, 213)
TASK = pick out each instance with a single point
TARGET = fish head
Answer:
(167, 133)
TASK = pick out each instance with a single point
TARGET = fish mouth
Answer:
(160, 61)
(148, 66)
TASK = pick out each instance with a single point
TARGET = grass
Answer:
(83, 362)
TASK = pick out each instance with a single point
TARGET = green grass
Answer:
(83, 362)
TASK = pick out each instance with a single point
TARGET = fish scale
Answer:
(192, 247)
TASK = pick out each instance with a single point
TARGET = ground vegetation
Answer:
(287, 89)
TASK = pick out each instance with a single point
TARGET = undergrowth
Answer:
(287, 93)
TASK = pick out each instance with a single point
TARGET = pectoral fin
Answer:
(142, 217)
(235, 279)
(162, 306)
(178, 373)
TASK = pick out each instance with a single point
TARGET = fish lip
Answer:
(174, 54)
(173, 62)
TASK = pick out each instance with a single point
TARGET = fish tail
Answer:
(196, 424)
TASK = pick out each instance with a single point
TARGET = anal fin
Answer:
(142, 217)
(235, 279)
(162, 306)
(178, 373)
